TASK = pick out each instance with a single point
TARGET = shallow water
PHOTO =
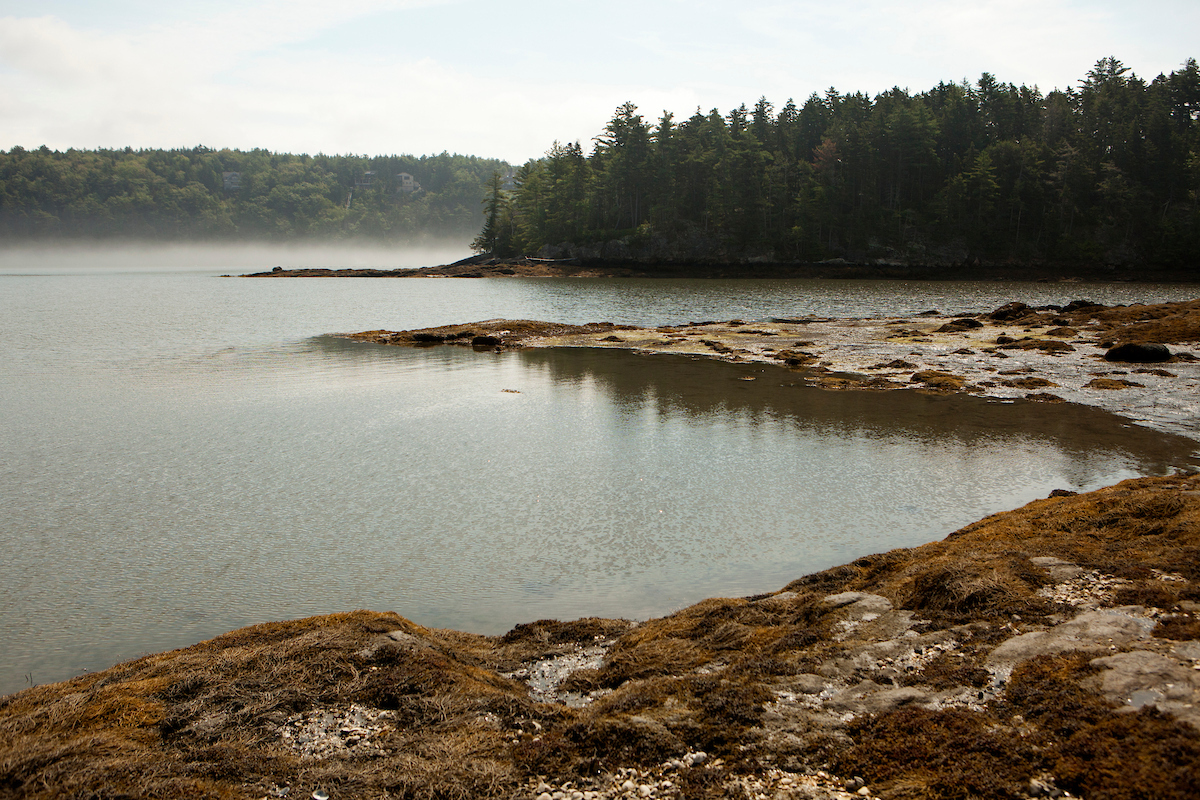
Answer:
(184, 454)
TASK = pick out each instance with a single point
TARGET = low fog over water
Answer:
(84, 257)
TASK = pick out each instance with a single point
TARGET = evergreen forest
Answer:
(1107, 172)
(200, 193)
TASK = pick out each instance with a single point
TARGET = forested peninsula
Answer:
(983, 179)
(204, 194)
(1104, 174)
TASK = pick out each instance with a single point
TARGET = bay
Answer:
(184, 454)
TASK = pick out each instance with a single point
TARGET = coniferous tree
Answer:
(963, 171)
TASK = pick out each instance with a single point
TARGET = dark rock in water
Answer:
(1009, 311)
(1139, 353)
(1045, 345)
(1112, 384)
(277, 269)
(961, 324)
(485, 341)
(428, 338)
(898, 363)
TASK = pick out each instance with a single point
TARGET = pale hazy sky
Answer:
(506, 79)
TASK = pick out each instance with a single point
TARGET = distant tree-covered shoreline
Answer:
(1106, 173)
(200, 193)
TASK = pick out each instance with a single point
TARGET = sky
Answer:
(507, 79)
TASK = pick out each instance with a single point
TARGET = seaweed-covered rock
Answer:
(1009, 311)
(961, 324)
(1139, 353)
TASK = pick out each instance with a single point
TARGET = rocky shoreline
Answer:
(1141, 362)
(1049, 651)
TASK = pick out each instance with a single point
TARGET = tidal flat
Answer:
(1049, 354)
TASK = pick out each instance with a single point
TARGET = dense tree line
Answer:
(1105, 172)
(204, 193)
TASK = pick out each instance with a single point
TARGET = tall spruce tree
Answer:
(494, 235)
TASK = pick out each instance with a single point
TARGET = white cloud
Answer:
(281, 75)
(48, 49)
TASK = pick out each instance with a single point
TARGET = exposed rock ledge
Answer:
(1043, 651)
(1054, 353)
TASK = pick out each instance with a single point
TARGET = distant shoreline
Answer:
(487, 267)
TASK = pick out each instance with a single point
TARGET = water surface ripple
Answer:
(183, 455)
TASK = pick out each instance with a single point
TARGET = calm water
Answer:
(184, 454)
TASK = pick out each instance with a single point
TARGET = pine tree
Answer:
(489, 238)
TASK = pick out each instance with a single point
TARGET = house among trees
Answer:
(364, 181)
(406, 184)
(232, 180)
(508, 177)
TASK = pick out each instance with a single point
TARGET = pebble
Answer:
(544, 677)
(336, 731)
(774, 784)
(1089, 589)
